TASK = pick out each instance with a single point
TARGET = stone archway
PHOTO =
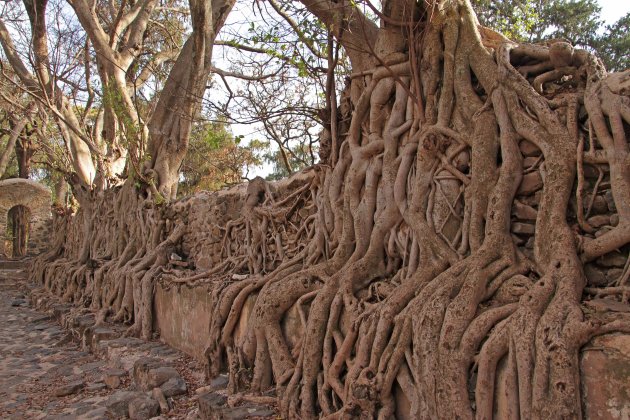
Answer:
(37, 199)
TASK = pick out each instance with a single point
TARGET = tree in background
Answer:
(278, 80)
(576, 21)
(216, 159)
(614, 45)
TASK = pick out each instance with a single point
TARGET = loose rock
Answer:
(529, 148)
(523, 228)
(599, 220)
(118, 404)
(531, 183)
(613, 259)
(143, 408)
(158, 395)
(523, 211)
(174, 386)
(113, 378)
(595, 276)
(69, 389)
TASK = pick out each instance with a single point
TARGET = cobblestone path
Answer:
(39, 362)
(45, 374)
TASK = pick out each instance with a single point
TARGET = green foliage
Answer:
(577, 21)
(536, 20)
(614, 45)
(299, 157)
(216, 158)
(515, 19)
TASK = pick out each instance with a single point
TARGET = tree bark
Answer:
(180, 100)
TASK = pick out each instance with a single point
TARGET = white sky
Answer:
(612, 10)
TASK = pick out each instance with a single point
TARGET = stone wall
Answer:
(183, 316)
(184, 311)
(37, 198)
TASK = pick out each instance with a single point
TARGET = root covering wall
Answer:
(460, 252)
(185, 311)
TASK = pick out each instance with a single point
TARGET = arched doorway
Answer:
(18, 230)
(25, 218)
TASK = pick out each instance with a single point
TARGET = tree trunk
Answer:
(20, 215)
(8, 151)
(180, 100)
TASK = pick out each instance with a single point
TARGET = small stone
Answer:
(531, 200)
(523, 211)
(175, 257)
(112, 382)
(220, 382)
(158, 395)
(614, 219)
(256, 412)
(594, 276)
(530, 161)
(174, 386)
(530, 243)
(163, 351)
(529, 148)
(69, 389)
(531, 183)
(599, 220)
(610, 201)
(99, 386)
(101, 334)
(211, 404)
(243, 412)
(203, 390)
(118, 404)
(518, 241)
(143, 408)
(113, 377)
(599, 205)
(523, 228)
(613, 259)
(141, 369)
(613, 274)
(161, 375)
(81, 323)
(590, 172)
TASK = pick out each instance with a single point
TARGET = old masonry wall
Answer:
(216, 234)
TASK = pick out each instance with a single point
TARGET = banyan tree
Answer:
(466, 184)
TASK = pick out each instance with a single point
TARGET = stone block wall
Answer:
(37, 198)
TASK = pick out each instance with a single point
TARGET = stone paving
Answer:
(38, 360)
(89, 371)
(46, 373)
